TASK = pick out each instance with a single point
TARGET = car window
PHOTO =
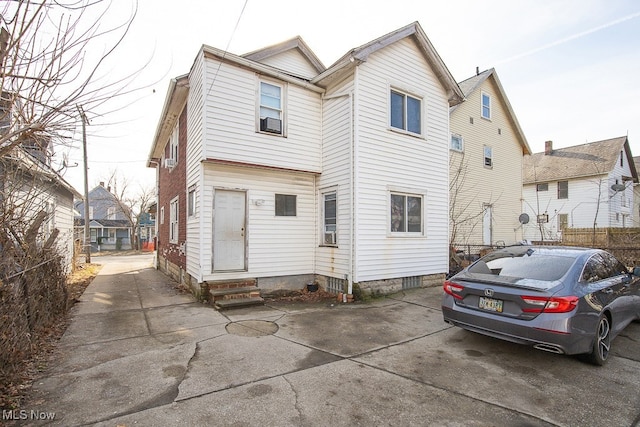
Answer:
(537, 267)
(614, 267)
(600, 267)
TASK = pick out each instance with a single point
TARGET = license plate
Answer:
(490, 304)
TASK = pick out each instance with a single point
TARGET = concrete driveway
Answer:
(138, 353)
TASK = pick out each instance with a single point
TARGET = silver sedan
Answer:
(563, 300)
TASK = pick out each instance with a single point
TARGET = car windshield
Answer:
(531, 266)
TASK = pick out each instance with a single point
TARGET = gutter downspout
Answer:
(353, 249)
(155, 225)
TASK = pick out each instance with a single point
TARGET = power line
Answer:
(226, 49)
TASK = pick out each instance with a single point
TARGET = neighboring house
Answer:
(583, 186)
(110, 228)
(485, 172)
(29, 185)
(276, 171)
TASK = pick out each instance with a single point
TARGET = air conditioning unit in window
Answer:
(269, 124)
(169, 163)
(330, 238)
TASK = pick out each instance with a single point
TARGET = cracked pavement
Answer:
(137, 352)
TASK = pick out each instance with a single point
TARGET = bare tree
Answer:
(48, 68)
(132, 204)
(52, 53)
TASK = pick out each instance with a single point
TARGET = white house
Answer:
(584, 186)
(293, 172)
(28, 186)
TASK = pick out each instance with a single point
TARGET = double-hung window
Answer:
(563, 189)
(406, 213)
(406, 112)
(173, 221)
(173, 147)
(329, 214)
(486, 105)
(488, 156)
(191, 201)
(456, 142)
(271, 108)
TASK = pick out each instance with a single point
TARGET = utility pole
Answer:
(87, 231)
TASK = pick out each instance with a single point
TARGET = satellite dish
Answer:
(618, 187)
(523, 218)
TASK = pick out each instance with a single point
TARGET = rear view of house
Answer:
(487, 150)
(275, 171)
(583, 186)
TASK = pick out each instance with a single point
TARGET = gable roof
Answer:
(470, 85)
(295, 43)
(579, 161)
(360, 54)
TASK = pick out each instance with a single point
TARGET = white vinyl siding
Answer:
(194, 154)
(333, 260)
(293, 62)
(580, 207)
(229, 114)
(274, 243)
(395, 162)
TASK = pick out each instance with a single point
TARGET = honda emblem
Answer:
(488, 292)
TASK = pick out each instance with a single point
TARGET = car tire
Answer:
(602, 342)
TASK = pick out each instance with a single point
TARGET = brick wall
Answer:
(172, 183)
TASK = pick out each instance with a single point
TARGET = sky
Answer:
(569, 67)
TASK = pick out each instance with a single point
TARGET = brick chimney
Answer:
(548, 147)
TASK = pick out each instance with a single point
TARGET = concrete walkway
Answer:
(138, 353)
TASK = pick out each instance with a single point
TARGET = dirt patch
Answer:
(14, 390)
(303, 295)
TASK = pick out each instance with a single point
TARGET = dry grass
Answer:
(13, 391)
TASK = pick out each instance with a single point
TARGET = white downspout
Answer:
(353, 249)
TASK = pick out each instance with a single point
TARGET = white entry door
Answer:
(229, 230)
(487, 231)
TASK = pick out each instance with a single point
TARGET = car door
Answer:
(607, 282)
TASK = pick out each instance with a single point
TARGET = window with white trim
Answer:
(271, 110)
(162, 215)
(90, 212)
(173, 221)
(191, 201)
(329, 218)
(111, 212)
(173, 145)
(488, 156)
(457, 144)
(405, 112)
(406, 213)
(486, 105)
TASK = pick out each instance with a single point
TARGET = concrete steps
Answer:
(234, 294)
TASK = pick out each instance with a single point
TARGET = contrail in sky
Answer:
(572, 37)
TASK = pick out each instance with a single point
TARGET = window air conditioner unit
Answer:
(169, 163)
(330, 238)
(269, 124)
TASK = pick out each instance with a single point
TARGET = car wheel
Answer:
(602, 343)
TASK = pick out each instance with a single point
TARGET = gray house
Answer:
(109, 223)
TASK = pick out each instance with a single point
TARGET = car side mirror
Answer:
(636, 271)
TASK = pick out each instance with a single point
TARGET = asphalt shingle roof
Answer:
(594, 158)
